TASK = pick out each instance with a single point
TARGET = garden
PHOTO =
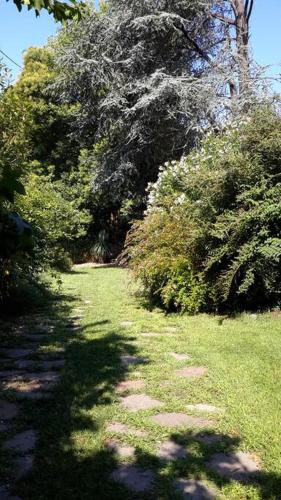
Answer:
(140, 257)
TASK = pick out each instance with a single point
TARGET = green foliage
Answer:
(61, 11)
(100, 250)
(213, 224)
(55, 220)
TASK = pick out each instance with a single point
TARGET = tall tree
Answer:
(132, 69)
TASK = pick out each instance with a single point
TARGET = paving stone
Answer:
(170, 450)
(54, 364)
(134, 478)
(4, 427)
(7, 374)
(23, 465)
(238, 466)
(128, 385)
(121, 450)
(194, 490)
(204, 407)
(137, 402)
(170, 329)
(32, 382)
(118, 428)
(209, 439)
(48, 355)
(8, 410)
(33, 337)
(22, 442)
(16, 353)
(192, 371)
(181, 420)
(151, 334)
(180, 357)
(6, 495)
(34, 396)
(127, 360)
(126, 324)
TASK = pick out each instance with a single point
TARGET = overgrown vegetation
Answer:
(211, 238)
(120, 91)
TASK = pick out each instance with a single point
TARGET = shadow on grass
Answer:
(63, 471)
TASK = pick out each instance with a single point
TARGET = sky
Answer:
(18, 31)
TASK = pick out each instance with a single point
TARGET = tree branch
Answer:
(250, 10)
(226, 20)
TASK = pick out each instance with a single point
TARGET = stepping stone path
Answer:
(194, 490)
(192, 371)
(209, 439)
(22, 442)
(23, 465)
(151, 334)
(5, 495)
(129, 385)
(138, 402)
(17, 353)
(128, 360)
(119, 449)
(134, 478)
(35, 338)
(180, 357)
(170, 450)
(181, 420)
(55, 364)
(118, 428)
(238, 466)
(10, 373)
(4, 427)
(36, 385)
(126, 324)
(203, 407)
(8, 410)
(171, 329)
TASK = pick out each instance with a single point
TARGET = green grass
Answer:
(243, 356)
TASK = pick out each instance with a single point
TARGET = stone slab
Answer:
(170, 451)
(192, 371)
(126, 324)
(180, 357)
(129, 385)
(127, 360)
(137, 402)
(133, 478)
(23, 465)
(237, 466)
(22, 442)
(118, 428)
(204, 407)
(191, 489)
(209, 439)
(181, 420)
(6, 495)
(124, 451)
(17, 353)
(151, 334)
(8, 410)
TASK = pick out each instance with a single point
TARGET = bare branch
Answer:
(223, 19)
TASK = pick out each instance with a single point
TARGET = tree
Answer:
(132, 71)
(61, 11)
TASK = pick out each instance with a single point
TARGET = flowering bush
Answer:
(211, 237)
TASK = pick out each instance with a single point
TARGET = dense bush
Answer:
(55, 220)
(211, 238)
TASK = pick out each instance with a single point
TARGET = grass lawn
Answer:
(243, 357)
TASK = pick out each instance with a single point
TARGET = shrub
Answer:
(213, 222)
(55, 220)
